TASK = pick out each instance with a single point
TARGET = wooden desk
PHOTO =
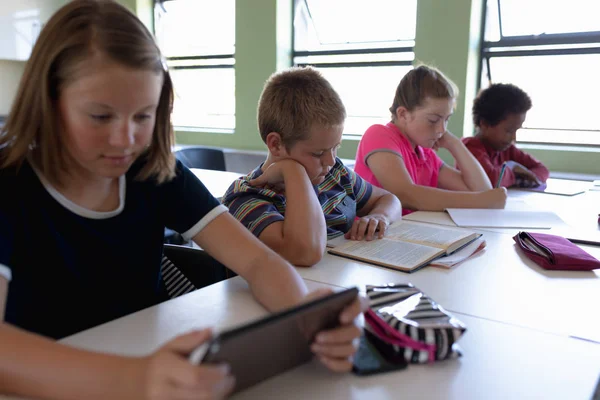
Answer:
(217, 182)
(500, 361)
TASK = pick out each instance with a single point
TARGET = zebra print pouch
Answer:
(412, 324)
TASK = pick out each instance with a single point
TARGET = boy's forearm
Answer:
(389, 206)
(538, 169)
(532, 164)
(541, 172)
(304, 224)
(33, 366)
(474, 175)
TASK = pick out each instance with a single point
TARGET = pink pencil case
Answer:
(555, 252)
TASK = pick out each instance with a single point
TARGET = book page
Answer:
(430, 235)
(459, 256)
(386, 251)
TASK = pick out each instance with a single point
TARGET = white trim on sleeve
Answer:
(5, 272)
(212, 214)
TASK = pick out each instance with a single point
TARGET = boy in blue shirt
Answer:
(302, 195)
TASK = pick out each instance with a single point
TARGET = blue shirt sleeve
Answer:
(255, 207)
(361, 188)
(188, 206)
(255, 212)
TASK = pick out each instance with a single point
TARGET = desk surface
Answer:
(579, 211)
(500, 361)
(519, 318)
(500, 284)
(217, 182)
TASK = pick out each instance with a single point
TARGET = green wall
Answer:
(447, 37)
(263, 46)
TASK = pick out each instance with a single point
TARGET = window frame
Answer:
(349, 64)
(202, 62)
(493, 49)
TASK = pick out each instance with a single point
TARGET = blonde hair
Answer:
(296, 100)
(77, 32)
(420, 83)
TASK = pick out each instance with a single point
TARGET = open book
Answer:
(407, 246)
(459, 256)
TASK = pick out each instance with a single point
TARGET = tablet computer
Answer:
(564, 187)
(276, 343)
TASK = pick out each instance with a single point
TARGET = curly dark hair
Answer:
(497, 101)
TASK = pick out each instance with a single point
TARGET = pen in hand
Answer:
(501, 175)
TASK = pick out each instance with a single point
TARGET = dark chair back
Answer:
(196, 157)
(202, 157)
(196, 265)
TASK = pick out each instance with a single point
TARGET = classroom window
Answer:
(198, 39)
(362, 48)
(553, 53)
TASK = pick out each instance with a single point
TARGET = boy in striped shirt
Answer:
(302, 195)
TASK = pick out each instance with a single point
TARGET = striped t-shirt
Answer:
(341, 194)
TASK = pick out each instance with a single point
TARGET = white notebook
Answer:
(484, 218)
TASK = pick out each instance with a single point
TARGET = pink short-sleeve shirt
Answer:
(423, 165)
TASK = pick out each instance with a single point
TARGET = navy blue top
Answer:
(74, 268)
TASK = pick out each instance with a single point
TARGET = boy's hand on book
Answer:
(368, 227)
(335, 347)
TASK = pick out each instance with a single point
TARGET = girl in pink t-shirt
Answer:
(400, 156)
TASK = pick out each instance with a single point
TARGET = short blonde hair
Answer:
(75, 33)
(294, 101)
(420, 83)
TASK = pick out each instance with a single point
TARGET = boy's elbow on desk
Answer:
(305, 255)
(305, 258)
(302, 254)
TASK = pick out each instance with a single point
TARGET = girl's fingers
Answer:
(342, 351)
(336, 365)
(338, 336)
